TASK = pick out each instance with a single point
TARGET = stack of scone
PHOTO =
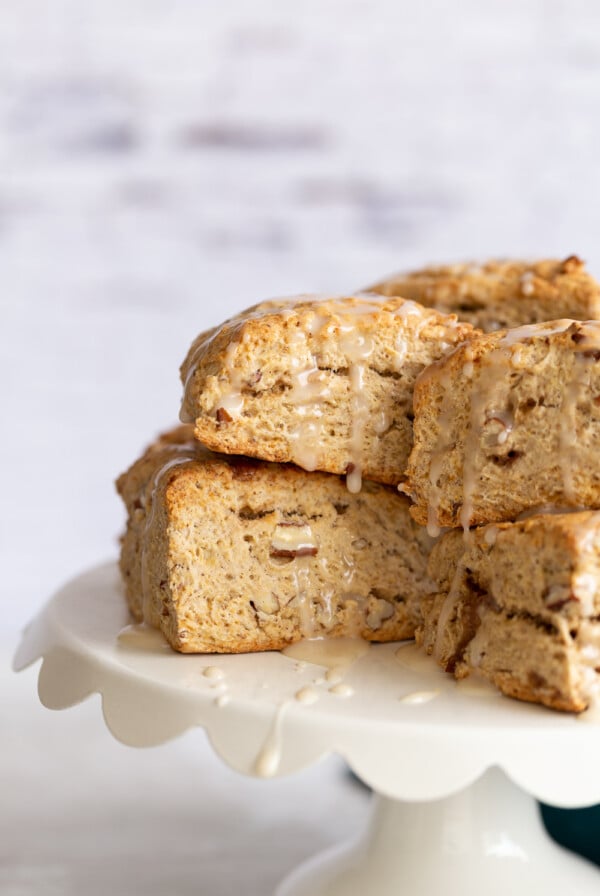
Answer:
(507, 440)
(273, 514)
(296, 528)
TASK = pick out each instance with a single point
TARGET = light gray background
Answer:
(165, 163)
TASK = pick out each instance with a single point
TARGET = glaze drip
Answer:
(491, 429)
(347, 327)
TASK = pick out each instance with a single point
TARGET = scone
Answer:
(507, 423)
(323, 383)
(228, 555)
(520, 604)
(501, 294)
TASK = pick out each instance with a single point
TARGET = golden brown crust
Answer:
(506, 423)
(518, 604)
(229, 554)
(500, 294)
(324, 383)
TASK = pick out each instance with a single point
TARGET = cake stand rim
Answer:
(468, 753)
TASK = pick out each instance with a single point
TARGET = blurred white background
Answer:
(167, 162)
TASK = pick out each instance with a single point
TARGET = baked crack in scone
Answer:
(324, 383)
(502, 294)
(507, 423)
(519, 603)
(227, 555)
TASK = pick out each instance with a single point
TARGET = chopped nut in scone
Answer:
(324, 383)
(499, 294)
(519, 604)
(225, 554)
(507, 423)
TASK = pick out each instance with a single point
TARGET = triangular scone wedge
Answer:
(324, 383)
(507, 423)
(499, 294)
(519, 604)
(225, 554)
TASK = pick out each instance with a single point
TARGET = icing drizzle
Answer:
(351, 321)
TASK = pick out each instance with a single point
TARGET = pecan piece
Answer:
(223, 416)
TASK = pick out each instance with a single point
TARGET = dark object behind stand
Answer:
(576, 829)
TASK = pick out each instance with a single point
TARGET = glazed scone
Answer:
(507, 423)
(323, 383)
(501, 294)
(519, 603)
(229, 555)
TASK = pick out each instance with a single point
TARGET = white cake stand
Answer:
(455, 768)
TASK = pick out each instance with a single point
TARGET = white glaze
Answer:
(493, 369)
(332, 653)
(232, 399)
(222, 700)
(300, 570)
(213, 673)
(142, 637)
(292, 539)
(344, 319)
(585, 587)
(269, 758)
(358, 348)
(413, 659)
(416, 698)
(341, 690)
(533, 331)
(378, 613)
(334, 675)
(305, 444)
(491, 535)
(307, 695)
(475, 685)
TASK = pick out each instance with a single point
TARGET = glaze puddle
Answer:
(413, 659)
(476, 686)
(332, 653)
(417, 698)
(142, 637)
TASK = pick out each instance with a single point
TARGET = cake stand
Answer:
(455, 768)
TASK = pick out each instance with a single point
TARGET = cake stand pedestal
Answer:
(455, 767)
